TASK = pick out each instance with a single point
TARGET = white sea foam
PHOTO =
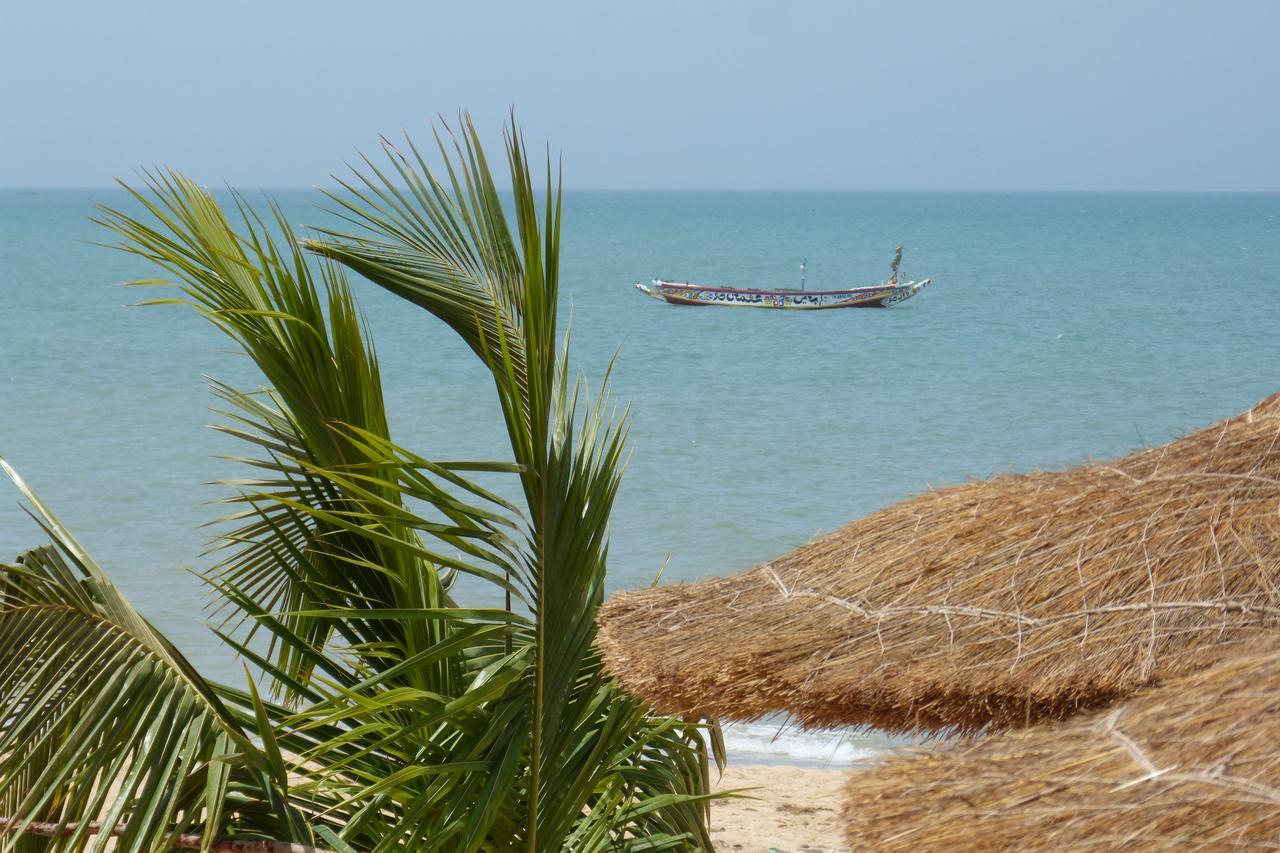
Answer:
(782, 742)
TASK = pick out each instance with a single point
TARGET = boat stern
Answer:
(903, 292)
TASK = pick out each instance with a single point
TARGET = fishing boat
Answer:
(883, 295)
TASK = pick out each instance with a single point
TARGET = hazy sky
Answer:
(897, 94)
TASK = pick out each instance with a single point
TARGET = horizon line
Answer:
(314, 188)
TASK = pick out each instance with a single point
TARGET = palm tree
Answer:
(384, 714)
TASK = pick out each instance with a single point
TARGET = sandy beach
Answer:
(369, 481)
(795, 809)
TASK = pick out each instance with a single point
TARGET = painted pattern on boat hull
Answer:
(878, 296)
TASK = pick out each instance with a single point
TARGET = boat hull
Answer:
(879, 296)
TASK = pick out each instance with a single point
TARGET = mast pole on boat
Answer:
(802, 273)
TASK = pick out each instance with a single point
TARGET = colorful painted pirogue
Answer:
(883, 295)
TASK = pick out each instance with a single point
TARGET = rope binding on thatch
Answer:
(1192, 763)
(995, 603)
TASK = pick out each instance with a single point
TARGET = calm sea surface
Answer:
(1062, 326)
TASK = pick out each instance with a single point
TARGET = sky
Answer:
(1005, 95)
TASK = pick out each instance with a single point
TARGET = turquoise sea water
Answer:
(1062, 326)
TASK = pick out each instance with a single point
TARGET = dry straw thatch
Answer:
(1191, 764)
(995, 603)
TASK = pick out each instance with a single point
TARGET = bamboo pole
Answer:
(180, 842)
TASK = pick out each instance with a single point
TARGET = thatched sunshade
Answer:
(998, 603)
(1190, 764)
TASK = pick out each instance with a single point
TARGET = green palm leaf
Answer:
(398, 718)
(446, 246)
(325, 526)
(104, 719)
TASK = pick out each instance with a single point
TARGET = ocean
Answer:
(1062, 326)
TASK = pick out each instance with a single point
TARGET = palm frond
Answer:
(101, 718)
(400, 719)
(325, 527)
(446, 246)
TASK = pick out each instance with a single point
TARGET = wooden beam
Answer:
(181, 842)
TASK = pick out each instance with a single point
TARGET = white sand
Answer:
(796, 809)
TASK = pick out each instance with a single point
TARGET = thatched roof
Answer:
(1000, 602)
(1191, 764)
